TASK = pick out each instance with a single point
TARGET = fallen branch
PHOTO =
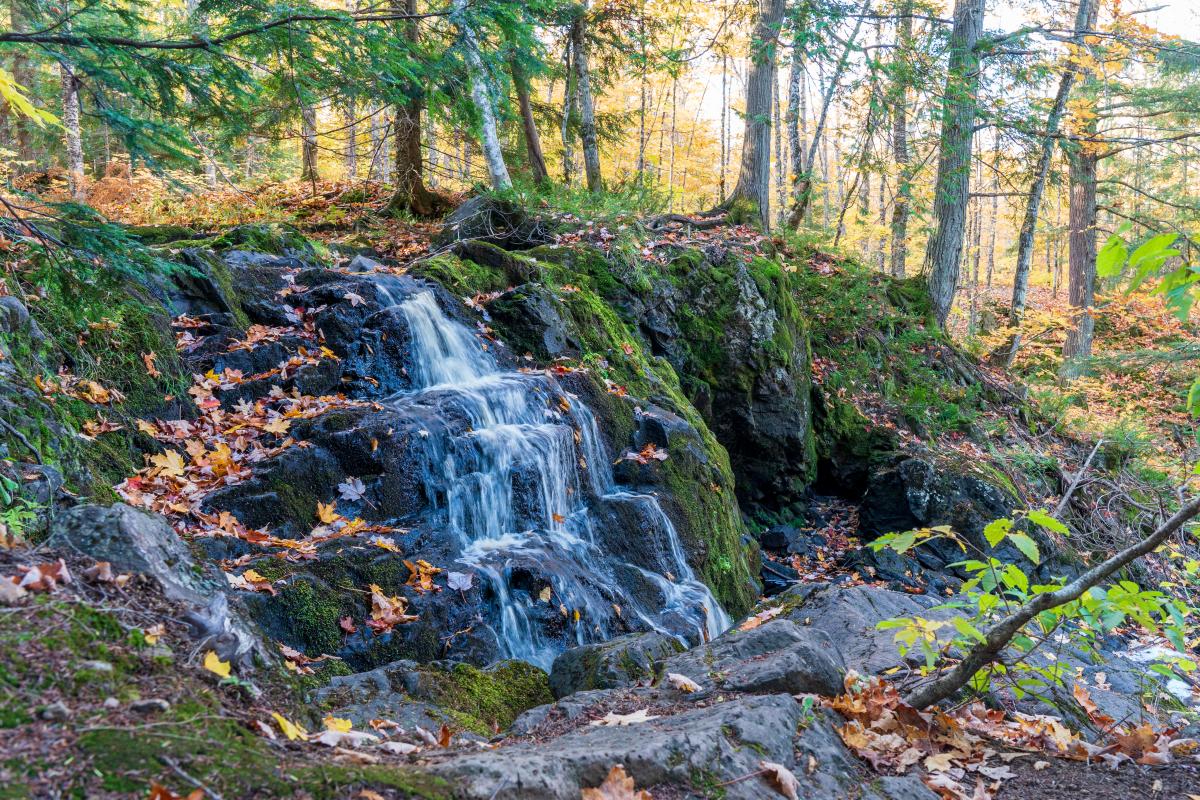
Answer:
(998, 635)
(1066, 498)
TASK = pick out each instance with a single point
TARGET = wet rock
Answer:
(778, 656)
(532, 323)
(624, 661)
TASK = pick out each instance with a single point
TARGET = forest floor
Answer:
(1141, 347)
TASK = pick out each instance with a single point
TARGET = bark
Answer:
(1085, 19)
(754, 174)
(724, 125)
(533, 142)
(803, 193)
(903, 202)
(410, 193)
(951, 189)
(587, 111)
(568, 114)
(308, 144)
(481, 93)
(1081, 268)
(23, 74)
(351, 134)
(71, 131)
(794, 102)
(997, 636)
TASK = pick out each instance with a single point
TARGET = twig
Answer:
(1066, 498)
(179, 771)
(8, 426)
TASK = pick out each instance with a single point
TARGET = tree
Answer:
(481, 93)
(533, 142)
(408, 178)
(754, 175)
(1085, 20)
(587, 111)
(951, 188)
(900, 80)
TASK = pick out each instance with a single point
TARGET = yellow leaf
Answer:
(290, 729)
(278, 425)
(327, 512)
(153, 633)
(337, 724)
(169, 463)
(214, 664)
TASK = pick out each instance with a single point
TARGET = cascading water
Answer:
(521, 488)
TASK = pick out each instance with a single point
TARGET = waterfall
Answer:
(527, 488)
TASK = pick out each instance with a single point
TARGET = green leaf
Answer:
(1048, 522)
(1111, 258)
(1154, 248)
(904, 542)
(997, 530)
(1027, 546)
(967, 629)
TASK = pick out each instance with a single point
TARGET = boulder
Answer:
(495, 221)
(686, 753)
(778, 656)
(132, 540)
(624, 661)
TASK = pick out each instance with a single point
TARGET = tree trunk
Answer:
(902, 204)
(724, 126)
(481, 93)
(1081, 274)
(803, 191)
(74, 141)
(587, 111)
(1085, 20)
(568, 114)
(533, 142)
(410, 192)
(351, 134)
(952, 188)
(308, 144)
(754, 175)
(794, 102)
(23, 73)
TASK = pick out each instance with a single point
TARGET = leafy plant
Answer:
(994, 589)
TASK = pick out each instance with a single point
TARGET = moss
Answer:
(489, 699)
(232, 760)
(311, 615)
(461, 276)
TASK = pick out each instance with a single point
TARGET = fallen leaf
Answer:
(460, 581)
(151, 368)
(337, 724)
(682, 682)
(352, 490)
(160, 792)
(617, 786)
(1038, 766)
(641, 715)
(154, 633)
(290, 729)
(399, 748)
(781, 779)
(347, 624)
(214, 664)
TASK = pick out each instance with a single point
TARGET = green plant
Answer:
(16, 513)
(994, 589)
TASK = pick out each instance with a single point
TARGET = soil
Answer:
(1074, 780)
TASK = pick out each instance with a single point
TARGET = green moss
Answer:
(312, 615)
(489, 699)
(461, 276)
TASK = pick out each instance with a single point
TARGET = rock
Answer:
(496, 221)
(111, 703)
(136, 541)
(478, 700)
(778, 656)
(623, 661)
(150, 705)
(692, 751)
(98, 667)
(361, 263)
(56, 712)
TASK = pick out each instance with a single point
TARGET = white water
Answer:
(519, 489)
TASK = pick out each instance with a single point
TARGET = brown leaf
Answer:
(617, 786)
(444, 735)
(160, 792)
(151, 368)
(347, 624)
(781, 779)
